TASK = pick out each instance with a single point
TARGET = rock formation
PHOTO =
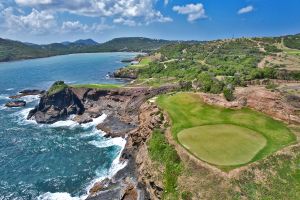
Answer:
(13, 104)
(57, 106)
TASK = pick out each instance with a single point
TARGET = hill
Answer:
(14, 50)
(88, 42)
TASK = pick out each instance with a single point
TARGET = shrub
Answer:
(228, 93)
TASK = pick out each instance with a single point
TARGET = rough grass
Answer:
(187, 110)
(222, 144)
(57, 87)
(164, 154)
(97, 86)
(292, 51)
(143, 63)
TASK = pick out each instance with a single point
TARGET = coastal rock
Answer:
(27, 93)
(99, 186)
(114, 127)
(57, 106)
(15, 104)
(82, 119)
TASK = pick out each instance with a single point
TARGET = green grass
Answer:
(187, 110)
(222, 144)
(57, 87)
(292, 51)
(163, 153)
(97, 86)
(143, 63)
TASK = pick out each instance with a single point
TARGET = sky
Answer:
(47, 21)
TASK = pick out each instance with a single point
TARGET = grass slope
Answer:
(222, 144)
(186, 110)
(97, 86)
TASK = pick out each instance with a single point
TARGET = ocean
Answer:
(62, 160)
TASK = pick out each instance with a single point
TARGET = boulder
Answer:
(12, 104)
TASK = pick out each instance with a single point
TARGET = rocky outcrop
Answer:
(27, 93)
(13, 104)
(126, 73)
(57, 106)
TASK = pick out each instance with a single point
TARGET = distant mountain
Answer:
(134, 44)
(88, 42)
(15, 50)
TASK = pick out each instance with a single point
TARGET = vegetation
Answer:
(97, 86)
(222, 144)
(163, 153)
(57, 87)
(292, 41)
(228, 93)
(187, 110)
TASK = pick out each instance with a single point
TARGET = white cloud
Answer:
(133, 10)
(193, 11)
(246, 9)
(35, 22)
(123, 21)
(78, 27)
(33, 2)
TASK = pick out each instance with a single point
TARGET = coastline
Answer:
(124, 106)
(42, 57)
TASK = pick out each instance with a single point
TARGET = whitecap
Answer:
(3, 107)
(4, 96)
(115, 166)
(67, 123)
(9, 89)
(95, 122)
(59, 196)
(22, 116)
(108, 142)
(30, 98)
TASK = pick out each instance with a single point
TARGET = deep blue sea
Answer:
(59, 161)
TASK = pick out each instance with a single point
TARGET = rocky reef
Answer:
(13, 104)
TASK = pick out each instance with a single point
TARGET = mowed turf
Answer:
(187, 110)
(222, 144)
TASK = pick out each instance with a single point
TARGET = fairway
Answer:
(187, 111)
(222, 144)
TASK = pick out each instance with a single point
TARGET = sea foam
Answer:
(59, 196)
(103, 143)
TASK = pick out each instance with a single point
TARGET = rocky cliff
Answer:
(57, 106)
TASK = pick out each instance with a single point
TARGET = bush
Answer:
(228, 93)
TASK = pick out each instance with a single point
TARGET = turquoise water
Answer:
(60, 160)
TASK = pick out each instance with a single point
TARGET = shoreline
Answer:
(44, 57)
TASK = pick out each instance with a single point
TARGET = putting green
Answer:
(222, 144)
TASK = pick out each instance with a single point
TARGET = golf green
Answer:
(222, 144)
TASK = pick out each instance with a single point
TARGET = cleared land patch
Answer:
(222, 144)
(187, 110)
